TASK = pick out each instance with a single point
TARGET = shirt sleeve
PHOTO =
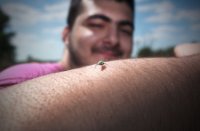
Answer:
(23, 72)
(13, 75)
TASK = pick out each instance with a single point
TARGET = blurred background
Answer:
(30, 31)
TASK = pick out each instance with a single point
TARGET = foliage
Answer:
(7, 50)
(148, 52)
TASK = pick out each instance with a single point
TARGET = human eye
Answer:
(126, 31)
(95, 25)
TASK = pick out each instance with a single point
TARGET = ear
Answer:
(65, 35)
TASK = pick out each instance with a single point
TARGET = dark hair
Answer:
(76, 7)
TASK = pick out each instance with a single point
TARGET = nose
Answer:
(113, 36)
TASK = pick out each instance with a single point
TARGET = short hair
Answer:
(76, 7)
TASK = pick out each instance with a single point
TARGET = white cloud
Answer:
(176, 15)
(160, 18)
(25, 15)
(56, 11)
(155, 7)
(24, 38)
(138, 1)
(165, 12)
(196, 27)
(22, 14)
(160, 12)
(164, 32)
(160, 33)
(38, 30)
(53, 30)
(63, 5)
(33, 45)
(192, 15)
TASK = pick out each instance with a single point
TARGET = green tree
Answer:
(148, 52)
(7, 50)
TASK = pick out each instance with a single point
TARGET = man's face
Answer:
(102, 31)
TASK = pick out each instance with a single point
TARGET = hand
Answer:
(187, 49)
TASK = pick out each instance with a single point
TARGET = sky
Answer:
(159, 24)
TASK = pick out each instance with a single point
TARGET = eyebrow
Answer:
(98, 16)
(107, 19)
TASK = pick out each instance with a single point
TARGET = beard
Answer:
(75, 59)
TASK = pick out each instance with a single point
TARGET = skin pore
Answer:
(157, 93)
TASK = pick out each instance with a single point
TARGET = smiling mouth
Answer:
(108, 53)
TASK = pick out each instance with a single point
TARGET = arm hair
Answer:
(134, 94)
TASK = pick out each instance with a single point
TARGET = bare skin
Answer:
(187, 49)
(140, 94)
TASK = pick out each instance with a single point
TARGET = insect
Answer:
(101, 62)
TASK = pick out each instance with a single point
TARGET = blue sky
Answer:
(159, 24)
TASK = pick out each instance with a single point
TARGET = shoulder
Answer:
(22, 72)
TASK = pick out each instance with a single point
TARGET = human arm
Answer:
(140, 94)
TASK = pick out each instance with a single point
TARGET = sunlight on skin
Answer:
(91, 99)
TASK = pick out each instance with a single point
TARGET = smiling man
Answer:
(102, 30)
(97, 30)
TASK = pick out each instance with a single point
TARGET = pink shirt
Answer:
(22, 72)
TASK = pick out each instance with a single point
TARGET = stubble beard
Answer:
(75, 60)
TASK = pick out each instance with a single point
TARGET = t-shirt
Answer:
(22, 72)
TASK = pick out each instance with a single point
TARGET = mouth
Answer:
(108, 53)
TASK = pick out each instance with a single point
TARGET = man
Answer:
(103, 32)
(140, 94)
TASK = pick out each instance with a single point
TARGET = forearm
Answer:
(127, 94)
